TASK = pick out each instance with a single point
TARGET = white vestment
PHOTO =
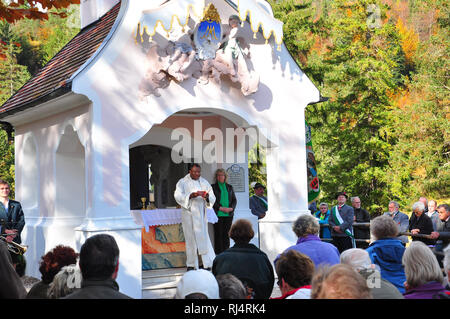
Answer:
(194, 221)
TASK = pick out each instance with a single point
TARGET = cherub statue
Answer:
(154, 78)
(181, 55)
(234, 53)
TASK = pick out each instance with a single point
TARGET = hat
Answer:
(341, 193)
(258, 185)
(198, 281)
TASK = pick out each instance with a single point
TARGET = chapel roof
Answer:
(53, 79)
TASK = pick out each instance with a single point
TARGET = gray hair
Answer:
(446, 260)
(397, 205)
(306, 224)
(421, 265)
(323, 204)
(383, 227)
(357, 258)
(230, 287)
(353, 198)
(418, 205)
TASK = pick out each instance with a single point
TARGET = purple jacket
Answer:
(320, 252)
(426, 291)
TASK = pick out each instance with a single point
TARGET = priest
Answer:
(193, 193)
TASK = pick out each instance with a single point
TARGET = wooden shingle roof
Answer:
(54, 78)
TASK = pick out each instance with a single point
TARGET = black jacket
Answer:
(231, 197)
(14, 219)
(250, 265)
(98, 289)
(425, 225)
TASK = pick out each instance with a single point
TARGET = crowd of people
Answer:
(320, 265)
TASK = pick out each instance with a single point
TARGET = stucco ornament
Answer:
(206, 53)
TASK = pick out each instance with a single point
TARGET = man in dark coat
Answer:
(361, 216)
(99, 265)
(258, 202)
(442, 233)
(12, 220)
(341, 222)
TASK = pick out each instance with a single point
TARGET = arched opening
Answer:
(70, 176)
(214, 139)
(29, 175)
(153, 176)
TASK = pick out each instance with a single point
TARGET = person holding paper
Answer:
(194, 193)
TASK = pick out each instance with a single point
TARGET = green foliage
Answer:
(25, 47)
(7, 161)
(257, 166)
(12, 74)
(354, 53)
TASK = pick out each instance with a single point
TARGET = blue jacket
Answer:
(387, 253)
(320, 252)
(324, 231)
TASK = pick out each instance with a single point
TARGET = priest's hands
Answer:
(199, 193)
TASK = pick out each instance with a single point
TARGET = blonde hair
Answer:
(220, 170)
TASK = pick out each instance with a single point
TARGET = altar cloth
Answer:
(165, 216)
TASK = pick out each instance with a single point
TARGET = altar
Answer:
(163, 243)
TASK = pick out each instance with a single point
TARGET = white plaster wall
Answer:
(38, 188)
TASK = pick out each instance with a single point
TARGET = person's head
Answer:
(294, 270)
(356, 202)
(393, 206)
(241, 231)
(341, 198)
(259, 189)
(66, 281)
(4, 189)
(197, 284)
(230, 287)
(52, 262)
(423, 200)
(195, 171)
(383, 227)
(421, 265)
(234, 21)
(432, 205)
(99, 258)
(20, 264)
(443, 211)
(418, 208)
(339, 282)
(357, 258)
(306, 224)
(323, 207)
(221, 176)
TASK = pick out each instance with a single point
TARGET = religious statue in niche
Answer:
(205, 53)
